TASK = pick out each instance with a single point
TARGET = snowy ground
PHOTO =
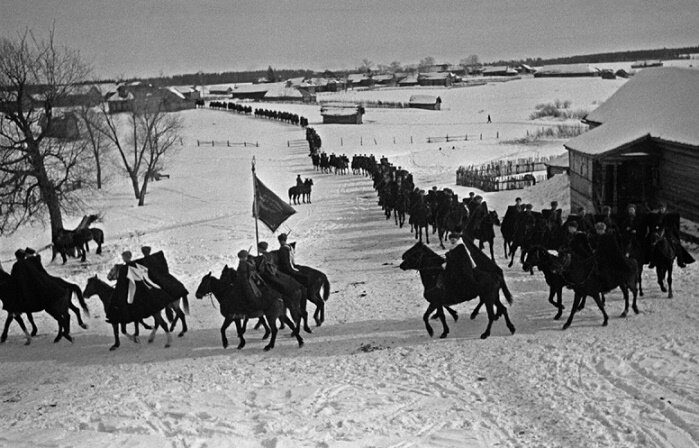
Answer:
(370, 376)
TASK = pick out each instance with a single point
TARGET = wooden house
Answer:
(341, 113)
(558, 165)
(566, 71)
(428, 102)
(643, 146)
(501, 70)
(434, 79)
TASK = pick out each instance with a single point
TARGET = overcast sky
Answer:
(147, 38)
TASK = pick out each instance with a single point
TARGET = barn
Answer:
(557, 165)
(501, 70)
(428, 102)
(643, 146)
(566, 71)
(434, 79)
(408, 81)
(250, 91)
(341, 113)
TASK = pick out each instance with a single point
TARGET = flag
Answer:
(273, 211)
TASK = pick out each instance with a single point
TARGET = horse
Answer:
(96, 235)
(68, 241)
(293, 293)
(585, 278)
(485, 233)
(302, 191)
(537, 256)
(662, 254)
(420, 218)
(16, 302)
(229, 298)
(428, 263)
(105, 292)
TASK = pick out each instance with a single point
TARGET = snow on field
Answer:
(370, 376)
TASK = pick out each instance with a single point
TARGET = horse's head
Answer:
(204, 287)
(92, 286)
(228, 275)
(308, 182)
(533, 257)
(494, 218)
(114, 272)
(420, 257)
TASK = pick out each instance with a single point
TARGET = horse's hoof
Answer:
(83, 326)
(301, 343)
(167, 345)
(113, 347)
(2, 340)
(28, 341)
(605, 323)
(307, 330)
(635, 309)
(70, 338)
(443, 335)
(557, 317)
(474, 314)
(623, 314)
(34, 333)
(58, 338)
(669, 296)
(565, 326)
(640, 293)
(484, 336)
(512, 330)
(430, 332)
(180, 334)
(150, 341)
(268, 348)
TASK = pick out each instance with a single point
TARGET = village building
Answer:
(408, 81)
(287, 93)
(255, 92)
(428, 102)
(384, 80)
(500, 70)
(566, 71)
(558, 165)
(340, 113)
(64, 125)
(359, 80)
(643, 146)
(435, 79)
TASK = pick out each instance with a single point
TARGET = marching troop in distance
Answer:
(591, 254)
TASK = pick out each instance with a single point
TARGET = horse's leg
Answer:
(661, 277)
(502, 310)
(115, 328)
(77, 314)
(427, 234)
(600, 305)
(513, 251)
(272, 320)
(625, 293)
(445, 328)
(6, 328)
(559, 295)
(159, 321)
(296, 332)
(239, 327)
(669, 281)
(573, 309)
(180, 314)
(136, 330)
(492, 254)
(226, 323)
(640, 279)
(491, 315)
(425, 317)
(262, 321)
(477, 309)
(30, 318)
(18, 318)
(453, 313)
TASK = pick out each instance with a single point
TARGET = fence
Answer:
(460, 138)
(503, 174)
(226, 143)
(301, 143)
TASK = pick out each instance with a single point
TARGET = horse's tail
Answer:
(326, 288)
(78, 292)
(505, 290)
(185, 304)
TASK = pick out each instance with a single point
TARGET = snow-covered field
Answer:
(370, 376)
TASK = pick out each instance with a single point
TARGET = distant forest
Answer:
(617, 56)
(195, 79)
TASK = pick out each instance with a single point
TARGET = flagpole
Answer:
(254, 202)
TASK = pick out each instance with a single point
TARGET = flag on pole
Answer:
(271, 209)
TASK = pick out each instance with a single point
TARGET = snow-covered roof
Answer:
(435, 75)
(658, 103)
(175, 92)
(254, 88)
(339, 109)
(423, 99)
(380, 78)
(561, 161)
(281, 91)
(409, 79)
(499, 69)
(566, 69)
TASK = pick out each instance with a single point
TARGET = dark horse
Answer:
(18, 298)
(71, 241)
(585, 278)
(662, 254)
(551, 265)
(428, 263)
(105, 292)
(230, 306)
(301, 191)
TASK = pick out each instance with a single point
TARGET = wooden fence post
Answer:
(197, 142)
(481, 136)
(497, 135)
(361, 142)
(228, 143)
(341, 142)
(411, 139)
(375, 142)
(213, 143)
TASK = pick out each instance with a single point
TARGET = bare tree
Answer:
(395, 67)
(366, 65)
(426, 63)
(39, 173)
(97, 141)
(143, 139)
(470, 61)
